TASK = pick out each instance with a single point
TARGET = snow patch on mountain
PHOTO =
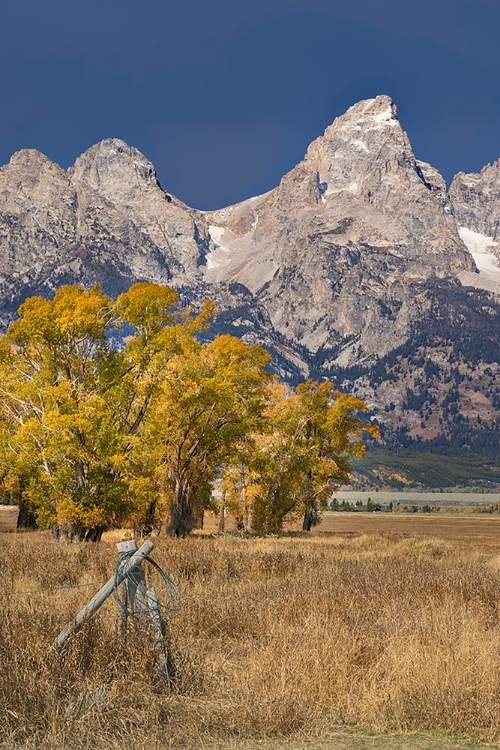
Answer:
(215, 258)
(480, 248)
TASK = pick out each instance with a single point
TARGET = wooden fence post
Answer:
(98, 600)
(135, 582)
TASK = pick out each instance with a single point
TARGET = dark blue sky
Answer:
(224, 97)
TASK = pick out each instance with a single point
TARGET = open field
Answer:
(279, 642)
(476, 529)
(481, 531)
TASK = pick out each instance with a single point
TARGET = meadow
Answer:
(278, 641)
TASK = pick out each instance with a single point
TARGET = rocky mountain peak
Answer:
(36, 199)
(358, 205)
(369, 113)
(113, 176)
(366, 153)
(476, 208)
(31, 176)
(332, 252)
(115, 170)
(30, 157)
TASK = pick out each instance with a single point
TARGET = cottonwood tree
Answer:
(73, 404)
(211, 398)
(304, 453)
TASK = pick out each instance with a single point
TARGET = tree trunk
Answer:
(182, 518)
(222, 513)
(311, 517)
(75, 532)
(245, 504)
(94, 535)
(27, 515)
(308, 521)
(148, 524)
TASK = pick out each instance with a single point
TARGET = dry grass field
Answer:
(279, 642)
(481, 531)
(8, 517)
(478, 530)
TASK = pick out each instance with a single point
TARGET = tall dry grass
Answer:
(274, 637)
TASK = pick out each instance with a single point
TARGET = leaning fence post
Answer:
(98, 600)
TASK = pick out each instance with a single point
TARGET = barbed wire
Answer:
(54, 588)
(170, 601)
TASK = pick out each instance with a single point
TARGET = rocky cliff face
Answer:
(476, 200)
(342, 270)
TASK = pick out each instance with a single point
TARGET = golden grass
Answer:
(277, 638)
(475, 529)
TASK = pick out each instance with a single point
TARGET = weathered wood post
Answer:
(98, 600)
(134, 584)
(144, 606)
(142, 603)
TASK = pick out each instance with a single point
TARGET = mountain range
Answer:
(360, 266)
